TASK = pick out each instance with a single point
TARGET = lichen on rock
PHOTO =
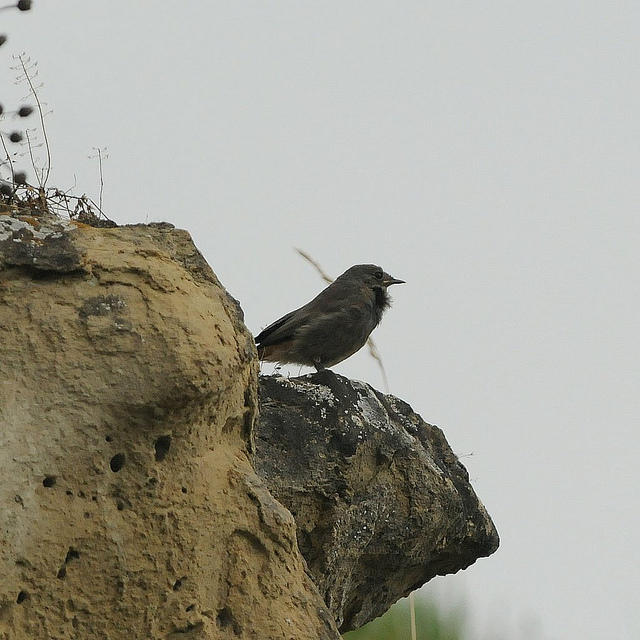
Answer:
(381, 503)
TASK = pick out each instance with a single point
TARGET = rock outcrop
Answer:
(128, 442)
(381, 503)
(127, 398)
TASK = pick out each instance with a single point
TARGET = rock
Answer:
(128, 392)
(381, 503)
(131, 509)
(41, 242)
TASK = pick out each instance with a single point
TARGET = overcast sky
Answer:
(488, 153)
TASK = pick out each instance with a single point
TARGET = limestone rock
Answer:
(127, 398)
(130, 508)
(381, 503)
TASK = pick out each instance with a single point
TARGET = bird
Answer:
(334, 325)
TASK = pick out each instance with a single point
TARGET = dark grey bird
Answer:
(334, 325)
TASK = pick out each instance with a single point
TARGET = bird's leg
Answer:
(318, 365)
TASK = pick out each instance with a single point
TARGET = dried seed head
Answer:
(25, 111)
(16, 136)
(5, 189)
(20, 177)
(24, 5)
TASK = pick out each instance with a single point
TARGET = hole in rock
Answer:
(178, 583)
(225, 620)
(224, 617)
(162, 445)
(39, 274)
(49, 481)
(382, 459)
(117, 462)
(22, 596)
(62, 573)
(72, 554)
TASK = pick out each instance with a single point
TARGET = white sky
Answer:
(487, 153)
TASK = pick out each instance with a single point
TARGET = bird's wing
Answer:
(330, 301)
(278, 331)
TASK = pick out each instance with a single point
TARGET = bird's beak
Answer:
(389, 280)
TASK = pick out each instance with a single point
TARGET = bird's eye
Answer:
(378, 275)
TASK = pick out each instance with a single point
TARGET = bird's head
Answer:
(371, 275)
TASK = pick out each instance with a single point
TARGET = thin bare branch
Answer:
(33, 161)
(6, 151)
(44, 176)
(101, 157)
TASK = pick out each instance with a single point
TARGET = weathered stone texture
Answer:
(128, 429)
(127, 398)
(381, 502)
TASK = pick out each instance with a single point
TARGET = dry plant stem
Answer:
(6, 152)
(42, 180)
(412, 613)
(324, 275)
(375, 354)
(33, 161)
(101, 179)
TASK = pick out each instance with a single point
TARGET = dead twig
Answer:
(42, 174)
